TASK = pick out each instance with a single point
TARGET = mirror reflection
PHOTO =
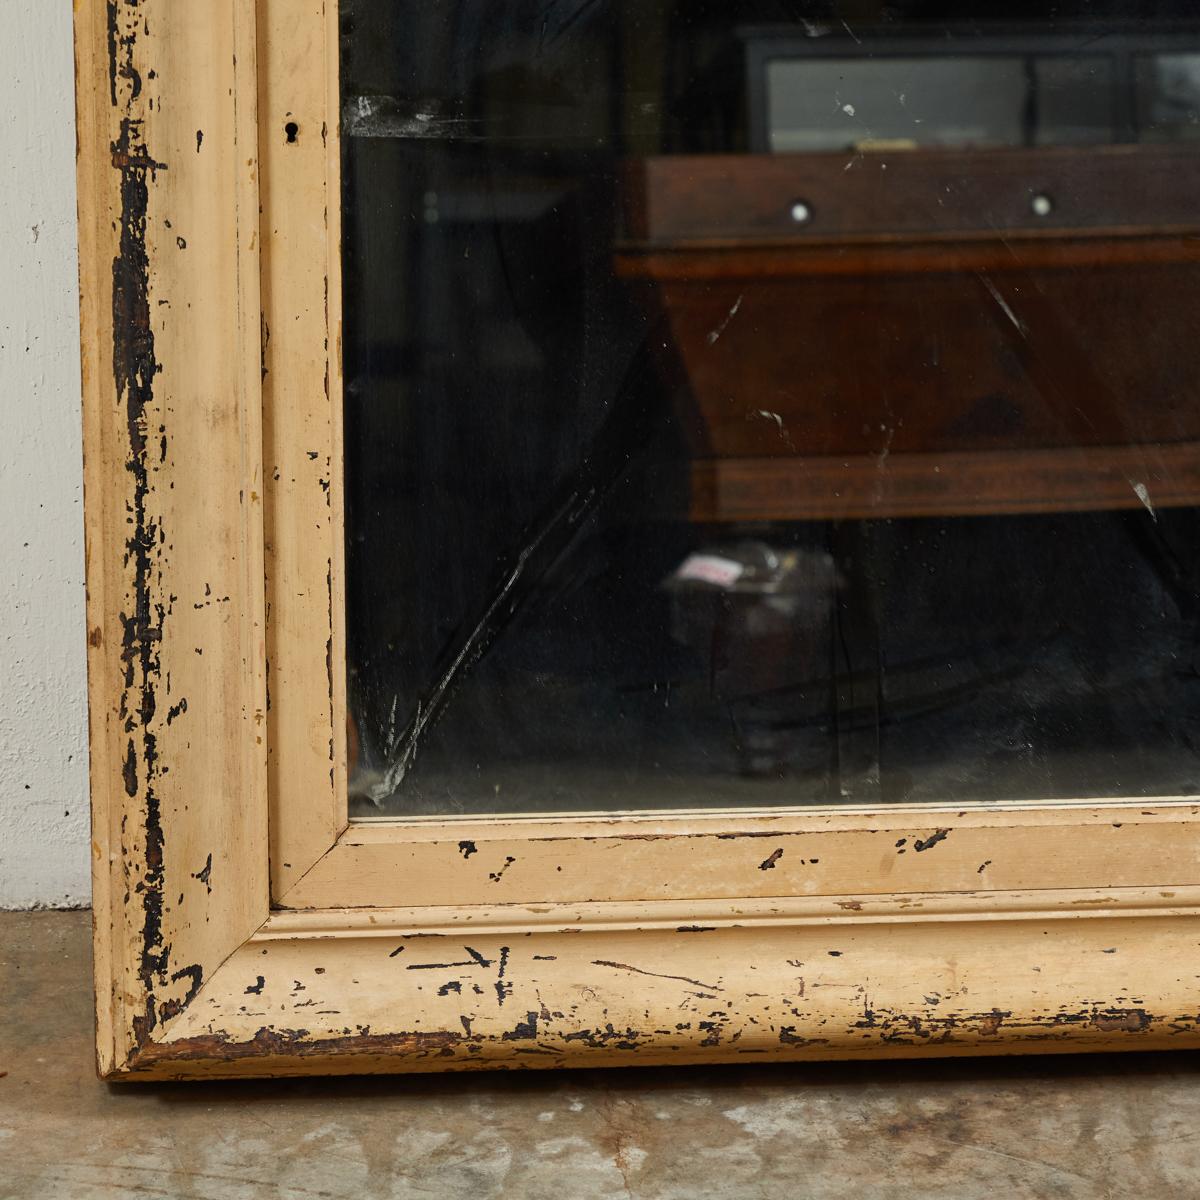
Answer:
(752, 409)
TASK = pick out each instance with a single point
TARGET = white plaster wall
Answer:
(43, 711)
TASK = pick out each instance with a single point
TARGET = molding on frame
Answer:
(731, 855)
(629, 984)
(302, 390)
(173, 487)
(197, 978)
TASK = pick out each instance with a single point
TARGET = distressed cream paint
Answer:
(43, 711)
(413, 946)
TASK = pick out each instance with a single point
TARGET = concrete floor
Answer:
(1094, 1128)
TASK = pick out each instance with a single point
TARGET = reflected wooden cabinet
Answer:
(924, 340)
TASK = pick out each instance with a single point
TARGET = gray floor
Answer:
(1094, 1128)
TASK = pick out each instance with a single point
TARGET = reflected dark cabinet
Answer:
(989, 314)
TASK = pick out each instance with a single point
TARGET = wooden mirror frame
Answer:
(242, 925)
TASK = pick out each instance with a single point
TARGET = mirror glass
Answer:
(745, 409)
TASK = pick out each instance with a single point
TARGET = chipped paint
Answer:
(135, 368)
(174, 677)
(540, 1037)
(939, 835)
(745, 990)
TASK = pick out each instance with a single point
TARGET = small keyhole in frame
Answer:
(292, 131)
